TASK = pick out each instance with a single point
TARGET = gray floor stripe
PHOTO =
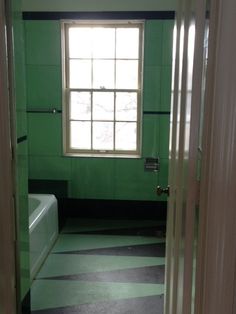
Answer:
(148, 250)
(151, 274)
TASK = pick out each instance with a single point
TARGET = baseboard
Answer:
(57, 187)
(111, 209)
(26, 304)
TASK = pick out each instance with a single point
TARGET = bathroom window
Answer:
(102, 88)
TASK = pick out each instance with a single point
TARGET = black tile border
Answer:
(146, 231)
(21, 139)
(157, 112)
(26, 304)
(111, 209)
(121, 15)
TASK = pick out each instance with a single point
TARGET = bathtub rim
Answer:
(46, 200)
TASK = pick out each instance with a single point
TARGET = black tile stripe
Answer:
(157, 112)
(25, 303)
(149, 274)
(142, 305)
(148, 250)
(21, 139)
(154, 231)
(155, 15)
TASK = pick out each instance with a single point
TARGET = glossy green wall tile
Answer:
(152, 88)
(153, 41)
(166, 73)
(93, 178)
(42, 41)
(49, 167)
(21, 123)
(101, 5)
(164, 125)
(45, 134)
(151, 132)
(43, 86)
(22, 175)
(22, 215)
(167, 42)
(132, 182)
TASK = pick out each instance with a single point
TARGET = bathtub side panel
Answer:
(52, 223)
(43, 231)
(38, 245)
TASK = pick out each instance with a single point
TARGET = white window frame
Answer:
(68, 151)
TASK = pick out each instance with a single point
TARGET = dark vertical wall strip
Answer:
(146, 15)
(21, 151)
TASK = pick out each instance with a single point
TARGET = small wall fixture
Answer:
(151, 164)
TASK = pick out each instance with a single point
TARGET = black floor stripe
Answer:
(149, 274)
(149, 250)
(144, 305)
(155, 231)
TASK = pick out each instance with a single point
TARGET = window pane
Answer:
(103, 135)
(80, 74)
(103, 42)
(103, 106)
(127, 74)
(80, 106)
(80, 42)
(127, 43)
(80, 135)
(126, 133)
(103, 74)
(126, 106)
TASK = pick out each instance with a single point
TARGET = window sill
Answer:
(87, 155)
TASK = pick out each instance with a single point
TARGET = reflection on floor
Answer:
(103, 267)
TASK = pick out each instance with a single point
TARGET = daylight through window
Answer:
(102, 88)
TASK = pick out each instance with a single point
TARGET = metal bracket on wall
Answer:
(151, 164)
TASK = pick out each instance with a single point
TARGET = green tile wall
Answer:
(42, 43)
(98, 178)
(43, 84)
(101, 5)
(21, 148)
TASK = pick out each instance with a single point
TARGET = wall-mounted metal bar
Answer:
(53, 111)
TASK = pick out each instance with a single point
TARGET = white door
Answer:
(187, 103)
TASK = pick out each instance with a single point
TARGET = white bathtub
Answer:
(43, 228)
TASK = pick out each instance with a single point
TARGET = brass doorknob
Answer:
(161, 191)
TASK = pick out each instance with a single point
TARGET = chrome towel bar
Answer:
(53, 111)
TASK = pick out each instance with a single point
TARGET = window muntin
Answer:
(102, 88)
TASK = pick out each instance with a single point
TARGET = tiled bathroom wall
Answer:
(97, 178)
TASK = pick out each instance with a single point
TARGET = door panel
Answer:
(185, 121)
(8, 297)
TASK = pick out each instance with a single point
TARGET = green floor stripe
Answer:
(72, 242)
(52, 294)
(62, 265)
(83, 225)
